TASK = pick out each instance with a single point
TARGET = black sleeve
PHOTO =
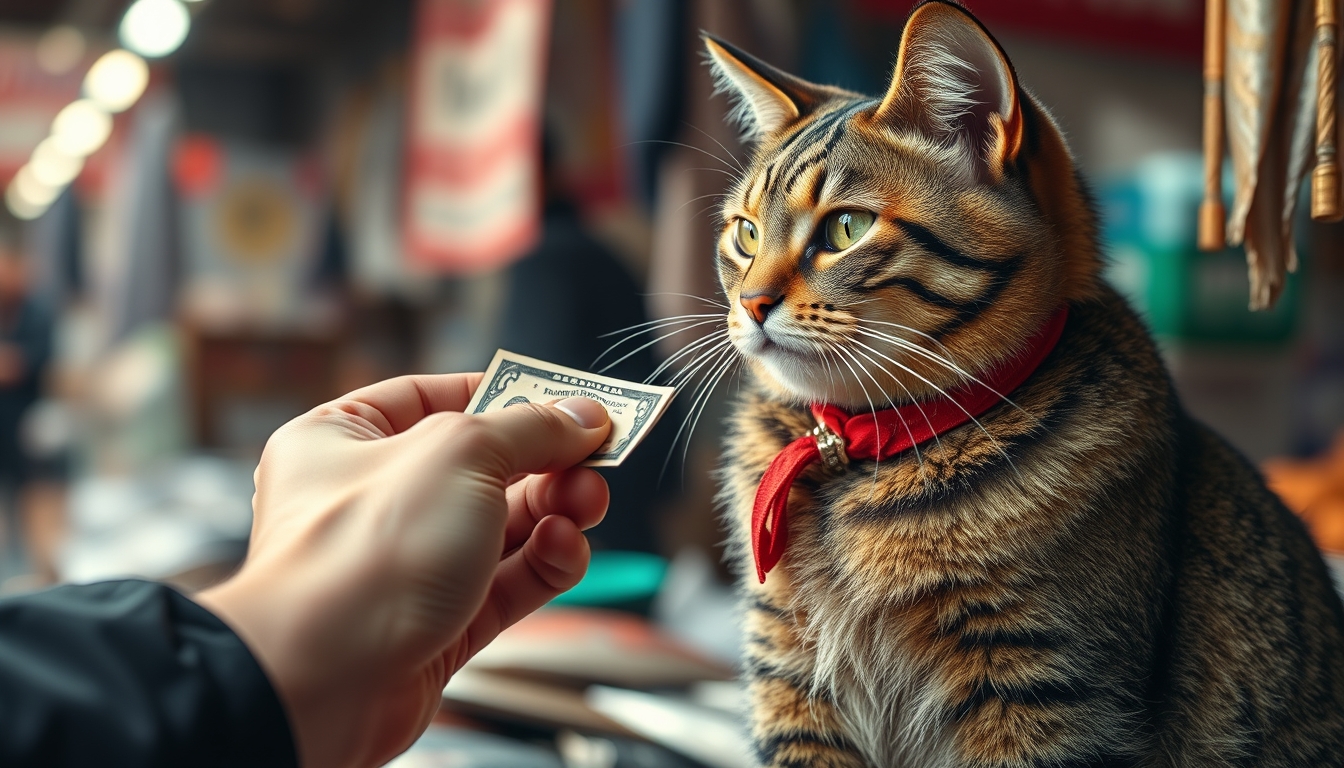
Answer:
(131, 673)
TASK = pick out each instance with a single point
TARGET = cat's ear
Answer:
(954, 82)
(765, 98)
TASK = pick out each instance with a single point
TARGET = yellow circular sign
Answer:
(255, 220)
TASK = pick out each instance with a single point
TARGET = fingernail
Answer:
(588, 414)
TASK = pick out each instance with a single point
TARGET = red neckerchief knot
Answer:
(841, 436)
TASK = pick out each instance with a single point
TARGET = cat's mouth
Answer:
(761, 343)
(794, 363)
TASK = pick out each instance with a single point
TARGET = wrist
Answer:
(324, 710)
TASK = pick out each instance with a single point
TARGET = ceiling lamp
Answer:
(116, 80)
(81, 128)
(154, 28)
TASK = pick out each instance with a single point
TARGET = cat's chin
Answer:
(802, 378)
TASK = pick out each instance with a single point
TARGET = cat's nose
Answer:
(758, 305)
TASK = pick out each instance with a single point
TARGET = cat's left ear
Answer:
(767, 98)
(954, 82)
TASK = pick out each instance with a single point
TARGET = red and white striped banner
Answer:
(472, 191)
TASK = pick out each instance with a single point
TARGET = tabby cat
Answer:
(1082, 575)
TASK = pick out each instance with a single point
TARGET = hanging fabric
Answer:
(1269, 94)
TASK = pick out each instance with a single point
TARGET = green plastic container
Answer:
(1185, 294)
(625, 581)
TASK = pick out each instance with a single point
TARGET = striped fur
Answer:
(1086, 576)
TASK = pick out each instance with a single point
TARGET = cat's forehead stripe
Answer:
(806, 134)
(805, 139)
(769, 172)
(827, 130)
(818, 184)
(792, 156)
(812, 160)
(753, 198)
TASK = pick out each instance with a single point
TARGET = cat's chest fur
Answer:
(867, 648)
(870, 653)
(861, 642)
(883, 559)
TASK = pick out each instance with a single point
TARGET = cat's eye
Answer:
(845, 228)
(748, 238)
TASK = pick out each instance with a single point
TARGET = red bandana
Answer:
(880, 436)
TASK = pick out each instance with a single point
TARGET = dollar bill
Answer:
(512, 379)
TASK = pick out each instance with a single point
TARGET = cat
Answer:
(1081, 575)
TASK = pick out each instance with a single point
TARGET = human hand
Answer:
(393, 537)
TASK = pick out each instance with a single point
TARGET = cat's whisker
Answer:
(684, 145)
(696, 363)
(648, 344)
(711, 302)
(736, 161)
(907, 328)
(910, 395)
(702, 197)
(942, 392)
(822, 348)
(719, 335)
(688, 370)
(861, 302)
(704, 348)
(720, 359)
(945, 361)
(660, 321)
(933, 357)
(877, 463)
(732, 174)
(830, 374)
(707, 209)
(908, 346)
(651, 326)
(702, 359)
(704, 403)
(919, 458)
(937, 439)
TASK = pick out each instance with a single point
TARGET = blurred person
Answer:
(393, 537)
(26, 326)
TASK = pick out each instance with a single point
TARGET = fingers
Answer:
(536, 439)
(550, 562)
(579, 494)
(405, 400)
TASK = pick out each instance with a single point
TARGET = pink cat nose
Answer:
(758, 305)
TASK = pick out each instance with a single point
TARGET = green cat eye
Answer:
(748, 238)
(845, 228)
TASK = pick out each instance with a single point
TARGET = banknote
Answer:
(634, 408)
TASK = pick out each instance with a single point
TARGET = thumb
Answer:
(534, 439)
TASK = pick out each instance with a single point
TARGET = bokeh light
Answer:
(60, 49)
(31, 192)
(21, 207)
(155, 28)
(54, 167)
(81, 128)
(116, 80)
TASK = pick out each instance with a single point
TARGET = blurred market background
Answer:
(220, 213)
